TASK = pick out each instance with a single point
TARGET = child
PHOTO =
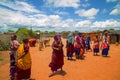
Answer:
(88, 43)
(96, 46)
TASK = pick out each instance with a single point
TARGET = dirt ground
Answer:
(91, 68)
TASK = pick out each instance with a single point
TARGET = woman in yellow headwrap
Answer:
(24, 61)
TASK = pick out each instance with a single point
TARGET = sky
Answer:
(60, 15)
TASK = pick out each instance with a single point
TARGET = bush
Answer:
(24, 32)
(4, 42)
(1, 48)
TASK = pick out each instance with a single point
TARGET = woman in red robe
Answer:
(57, 60)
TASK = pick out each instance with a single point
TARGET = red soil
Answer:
(92, 68)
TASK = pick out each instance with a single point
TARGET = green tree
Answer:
(24, 32)
(31, 33)
(37, 31)
(11, 30)
(52, 32)
(46, 32)
(111, 29)
(76, 31)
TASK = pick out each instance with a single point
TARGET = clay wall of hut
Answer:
(115, 37)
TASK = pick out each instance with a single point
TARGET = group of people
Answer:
(75, 44)
(103, 44)
(78, 45)
(20, 60)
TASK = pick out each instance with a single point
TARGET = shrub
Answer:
(24, 32)
(4, 42)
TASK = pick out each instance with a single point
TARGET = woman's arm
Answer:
(54, 47)
(26, 49)
(22, 55)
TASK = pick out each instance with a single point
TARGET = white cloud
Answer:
(111, 0)
(61, 12)
(88, 25)
(90, 13)
(98, 24)
(68, 23)
(107, 23)
(8, 17)
(20, 6)
(54, 20)
(116, 10)
(12, 18)
(23, 6)
(64, 3)
(85, 5)
(85, 23)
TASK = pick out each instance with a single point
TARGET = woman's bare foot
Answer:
(52, 74)
(61, 69)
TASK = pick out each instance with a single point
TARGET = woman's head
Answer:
(70, 35)
(77, 39)
(13, 37)
(80, 34)
(25, 40)
(96, 35)
(57, 37)
(105, 32)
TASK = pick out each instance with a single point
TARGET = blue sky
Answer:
(60, 15)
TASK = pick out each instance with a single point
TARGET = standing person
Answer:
(70, 46)
(57, 60)
(83, 46)
(38, 37)
(105, 44)
(24, 61)
(96, 45)
(77, 46)
(88, 40)
(13, 56)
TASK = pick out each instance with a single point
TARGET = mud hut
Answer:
(115, 36)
